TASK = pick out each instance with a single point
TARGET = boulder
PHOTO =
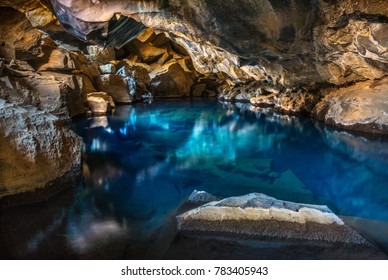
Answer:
(137, 78)
(100, 103)
(171, 80)
(136, 71)
(116, 86)
(39, 156)
(86, 84)
(362, 107)
(200, 198)
(258, 216)
(165, 58)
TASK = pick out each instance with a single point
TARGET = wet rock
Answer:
(100, 103)
(171, 80)
(257, 216)
(361, 107)
(116, 86)
(200, 198)
(39, 155)
(290, 103)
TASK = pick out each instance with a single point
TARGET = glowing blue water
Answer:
(144, 160)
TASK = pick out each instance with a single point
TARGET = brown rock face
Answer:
(39, 156)
(56, 93)
(100, 103)
(116, 86)
(361, 107)
(291, 42)
(171, 80)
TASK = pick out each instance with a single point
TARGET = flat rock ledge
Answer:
(261, 217)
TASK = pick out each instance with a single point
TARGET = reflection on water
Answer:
(141, 163)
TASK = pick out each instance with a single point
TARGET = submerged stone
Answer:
(261, 217)
(201, 197)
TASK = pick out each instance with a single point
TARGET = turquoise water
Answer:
(146, 159)
(142, 162)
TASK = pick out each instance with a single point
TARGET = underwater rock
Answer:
(39, 156)
(258, 216)
(200, 198)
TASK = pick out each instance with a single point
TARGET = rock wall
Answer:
(39, 92)
(293, 42)
(290, 47)
(39, 156)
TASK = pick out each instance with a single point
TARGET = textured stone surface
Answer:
(259, 216)
(39, 156)
(362, 107)
(100, 103)
(201, 197)
(18, 38)
(171, 80)
(291, 103)
(56, 93)
(283, 39)
(116, 86)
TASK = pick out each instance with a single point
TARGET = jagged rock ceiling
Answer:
(291, 42)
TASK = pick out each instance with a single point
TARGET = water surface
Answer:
(142, 162)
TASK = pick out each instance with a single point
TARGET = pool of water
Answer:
(141, 163)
